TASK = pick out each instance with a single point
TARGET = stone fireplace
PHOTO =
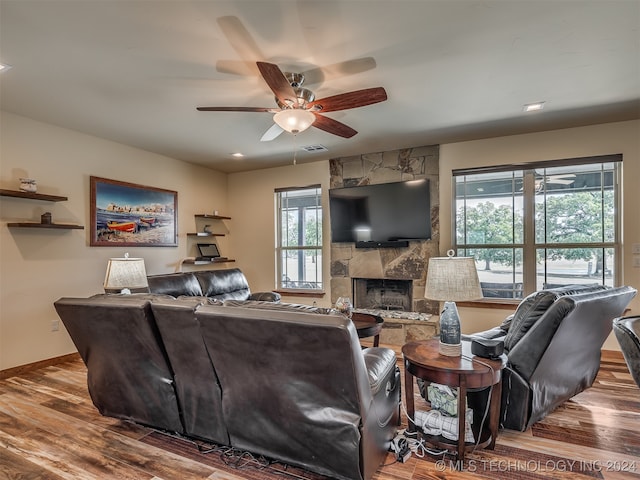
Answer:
(382, 294)
(395, 265)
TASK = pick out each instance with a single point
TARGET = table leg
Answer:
(494, 413)
(408, 394)
(376, 341)
(462, 404)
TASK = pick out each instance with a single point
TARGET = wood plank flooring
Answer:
(49, 429)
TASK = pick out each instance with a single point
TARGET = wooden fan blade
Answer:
(343, 101)
(272, 133)
(278, 83)
(333, 126)
(237, 109)
(237, 67)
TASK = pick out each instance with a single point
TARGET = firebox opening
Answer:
(382, 294)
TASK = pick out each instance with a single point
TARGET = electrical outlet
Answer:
(55, 325)
(635, 249)
(636, 261)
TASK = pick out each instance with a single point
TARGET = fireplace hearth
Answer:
(382, 294)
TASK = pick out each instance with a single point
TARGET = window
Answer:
(540, 225)
(299, 242)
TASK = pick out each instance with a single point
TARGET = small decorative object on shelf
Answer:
(28, 185)
(45, 218)
(344, 306)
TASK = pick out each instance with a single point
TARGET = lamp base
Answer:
(450, 349)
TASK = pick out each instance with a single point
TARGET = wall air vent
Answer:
(315, 148)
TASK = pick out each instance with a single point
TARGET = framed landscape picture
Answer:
(131, 215)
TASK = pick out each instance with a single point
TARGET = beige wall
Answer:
(252, 206)
(623, 137)
(40, 266)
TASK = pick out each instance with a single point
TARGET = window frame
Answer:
(529, 244)
(280, 248)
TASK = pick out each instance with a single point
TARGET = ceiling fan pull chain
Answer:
(295, 148)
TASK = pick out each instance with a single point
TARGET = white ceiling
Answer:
(134, 71)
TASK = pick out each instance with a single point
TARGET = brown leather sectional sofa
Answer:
(222, 284)
(291, 384)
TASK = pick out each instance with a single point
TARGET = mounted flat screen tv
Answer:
(380, 215)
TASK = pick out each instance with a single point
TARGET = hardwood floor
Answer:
(49, 429)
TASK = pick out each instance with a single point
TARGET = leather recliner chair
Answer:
(627, 331)
(128, 373)
(553, 343)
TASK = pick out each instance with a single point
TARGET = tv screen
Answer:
(381, 213)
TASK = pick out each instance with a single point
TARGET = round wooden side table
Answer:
(422, 360)
(368, 325)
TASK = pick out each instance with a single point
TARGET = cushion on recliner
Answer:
(528, 313)
(175, 284)
(578, 289)
(534, 306)
(224, 284)
(506, 323)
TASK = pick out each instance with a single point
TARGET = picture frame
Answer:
(126, 214)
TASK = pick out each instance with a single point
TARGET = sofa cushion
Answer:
(175, 284)
(224, 284)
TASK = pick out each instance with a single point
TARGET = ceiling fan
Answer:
(560, 179)
(298, 108)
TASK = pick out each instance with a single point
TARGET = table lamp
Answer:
(451, 279)
(125, 275)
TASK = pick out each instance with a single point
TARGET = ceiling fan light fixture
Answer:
(294, 120)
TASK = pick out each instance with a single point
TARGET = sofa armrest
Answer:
(266, 296)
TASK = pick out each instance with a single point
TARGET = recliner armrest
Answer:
(380, 363)
(266, 296)
(495, 332)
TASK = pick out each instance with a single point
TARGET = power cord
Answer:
(418, 446)
(486, 410)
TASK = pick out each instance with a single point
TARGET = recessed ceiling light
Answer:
(533, 107)
(237, 155)
(4, 67)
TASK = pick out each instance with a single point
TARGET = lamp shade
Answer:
(294, 120)
(452, 279)
(125, 273)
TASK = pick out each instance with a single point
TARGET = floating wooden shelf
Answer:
(33, 196)
(205, 234)
(214, 217)
(191, 261)
(65, 226)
